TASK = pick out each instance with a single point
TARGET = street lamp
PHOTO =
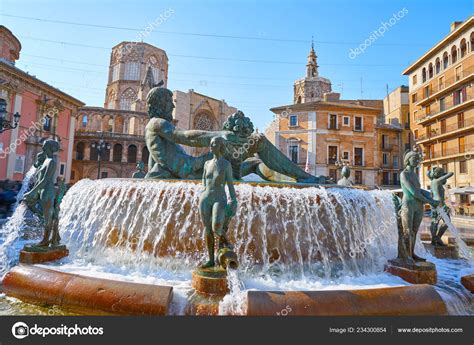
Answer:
(100, 146)
(6, 124)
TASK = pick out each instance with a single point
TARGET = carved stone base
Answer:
(444, 252)
(468, 282)
(210, 281)
(203, 305)
(417, 273)
(36, 255)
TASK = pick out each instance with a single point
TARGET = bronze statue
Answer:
(345, 173)
(43, 199)
(411, 208)
(438, 179)
(248, 152)
(140, 172)
(213, 207)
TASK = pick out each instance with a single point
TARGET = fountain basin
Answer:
(393, 301)
(93, 296)
(85, 295)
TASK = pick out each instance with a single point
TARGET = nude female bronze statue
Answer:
(411, 208)
(41, 199)
(438, 179)
(213, 206)
(344, 181)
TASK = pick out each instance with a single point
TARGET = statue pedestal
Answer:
(210, 281)
(422, 272)
(36, 255)
(443, 252)
(468, 282)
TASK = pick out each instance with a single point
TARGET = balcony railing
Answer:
(421, 116)
(468, 148)
(386, 147)
(446, 130)
(436, 86)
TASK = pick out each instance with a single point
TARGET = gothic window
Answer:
(203, 121)
(437, 65)
(454, 54)
(132, 71)
(463, 47)
(111, 100)
(128, 97)
(445, 60)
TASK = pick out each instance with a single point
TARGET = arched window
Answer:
(430, 70)
(472, 41)
(132, 154)
(80, 148)
(454, 54)
(423, 74)
(145, 155)
(132, 126)
(94, 154)
(84, 121)
(438, 65)
(463, 47)
(445, 60)
(298, 100)
(117, 153)
(128, 97)
(110, 125)
(118, 125)
(131, 71)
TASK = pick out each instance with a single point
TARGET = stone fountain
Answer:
(282, 248)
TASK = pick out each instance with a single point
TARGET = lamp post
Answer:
(6, 124)
(100, 146)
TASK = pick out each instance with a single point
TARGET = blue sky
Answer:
(283, 30)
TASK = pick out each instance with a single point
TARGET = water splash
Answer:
(463, 249)
(16, 226)
(235, 302)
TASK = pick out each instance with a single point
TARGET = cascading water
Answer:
(463, 249)
(16, 227)
(293, 231)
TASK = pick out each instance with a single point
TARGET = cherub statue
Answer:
(411, 208)
(214, 209)
(140, 172)
(438, 179)
(345, 173)
(42, 197)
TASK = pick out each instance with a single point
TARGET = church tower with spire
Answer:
(313, 87)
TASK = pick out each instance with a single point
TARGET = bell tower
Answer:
(313, 87)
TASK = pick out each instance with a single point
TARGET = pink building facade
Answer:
(46, 112)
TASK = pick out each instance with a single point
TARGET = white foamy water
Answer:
(12, 231)
(463, 249)
(294, 231)
(235, 302)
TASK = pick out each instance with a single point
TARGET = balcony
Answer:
(452, 129)
(444, 110)
(467, 149)
(386, 147)
(438, 89)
